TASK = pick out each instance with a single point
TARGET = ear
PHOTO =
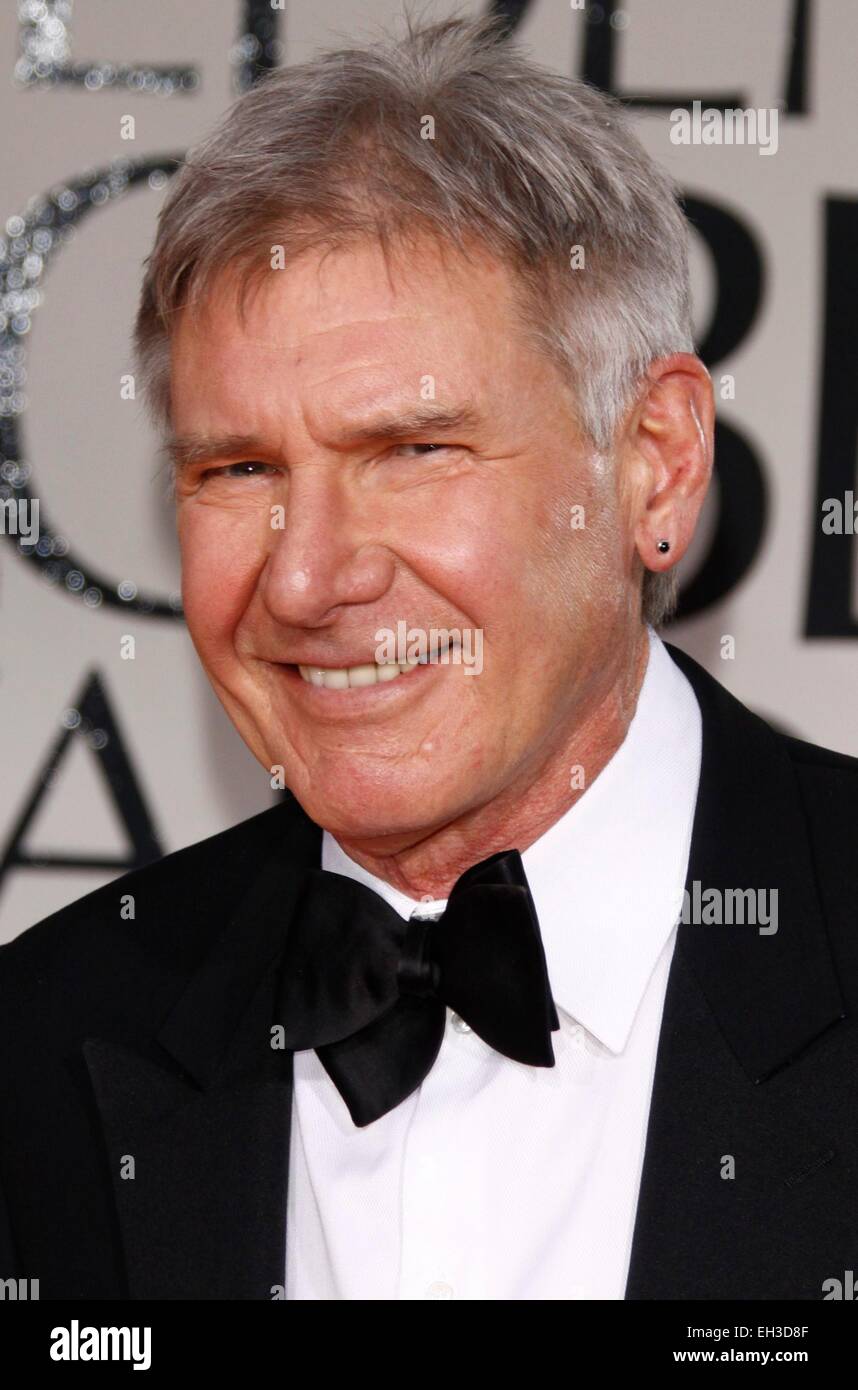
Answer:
(669, 443)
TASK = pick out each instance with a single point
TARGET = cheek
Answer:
(480, 550)
(221, 559)
(580, 554)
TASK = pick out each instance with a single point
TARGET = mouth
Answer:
(355, 677)
(325, 692)
(370, 673)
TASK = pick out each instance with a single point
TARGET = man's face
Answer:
(323, 514)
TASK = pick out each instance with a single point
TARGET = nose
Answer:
(325, 555)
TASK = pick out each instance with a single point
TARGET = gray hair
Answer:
(525, 161)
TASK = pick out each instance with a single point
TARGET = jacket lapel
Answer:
(199, 1157)
(740, 1006)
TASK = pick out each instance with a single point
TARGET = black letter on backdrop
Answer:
(829, 595)
(97, 722)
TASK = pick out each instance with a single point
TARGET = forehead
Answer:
(338, 321)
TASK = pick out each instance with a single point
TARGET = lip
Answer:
(324, 661)
(327, 664)
(356, 700)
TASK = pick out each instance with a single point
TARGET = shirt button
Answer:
(459, 1024)
(439, 1290)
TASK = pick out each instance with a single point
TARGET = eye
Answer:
(247, 468)
(428, 447)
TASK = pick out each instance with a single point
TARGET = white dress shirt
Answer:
(497, 1180)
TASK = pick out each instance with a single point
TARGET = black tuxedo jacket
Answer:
(146, 1042)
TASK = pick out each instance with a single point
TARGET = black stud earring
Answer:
(663, 546)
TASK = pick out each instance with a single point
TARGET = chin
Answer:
(349, 811)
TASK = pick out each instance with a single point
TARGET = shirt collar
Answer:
(607, 878)
(337, 861)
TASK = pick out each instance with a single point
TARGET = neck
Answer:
(428, 864)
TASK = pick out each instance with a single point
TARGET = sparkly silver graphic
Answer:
(46, 57)
(258, 49)
(28, 243)
(31, 239)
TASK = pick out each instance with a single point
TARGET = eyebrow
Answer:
(190, 449)
(417, 419)
(184, 450)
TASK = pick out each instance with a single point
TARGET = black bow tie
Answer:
(369, 990)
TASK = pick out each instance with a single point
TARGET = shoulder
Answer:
(813, 763)
(828, 788)
(777, 773)
(812, 760)
(164, 914)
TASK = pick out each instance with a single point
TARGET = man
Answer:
(537, 983)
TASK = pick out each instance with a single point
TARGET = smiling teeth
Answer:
(346, 677)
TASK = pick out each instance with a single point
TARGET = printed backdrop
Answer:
(108, 762)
